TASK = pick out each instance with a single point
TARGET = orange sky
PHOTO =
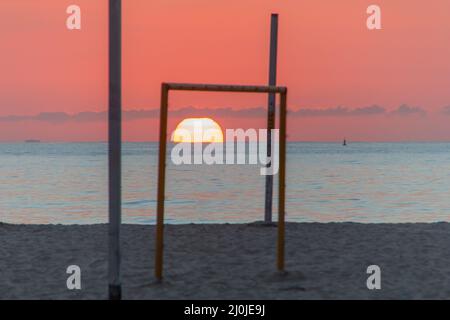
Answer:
(327, 58)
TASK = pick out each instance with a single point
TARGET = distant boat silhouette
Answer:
(32, 141)
(344, 143)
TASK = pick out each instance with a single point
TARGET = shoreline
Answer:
(230, 261)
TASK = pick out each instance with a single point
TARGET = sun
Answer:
(197, 130)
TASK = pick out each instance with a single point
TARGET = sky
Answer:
(343, 79)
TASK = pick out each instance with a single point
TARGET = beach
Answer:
(230, 261)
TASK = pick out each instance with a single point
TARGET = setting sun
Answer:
(197, 130)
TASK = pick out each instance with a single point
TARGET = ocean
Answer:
(66, 183)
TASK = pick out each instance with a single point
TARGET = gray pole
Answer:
(115, 110)
(271, 111)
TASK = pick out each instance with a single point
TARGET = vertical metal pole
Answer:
(161, 182)
(282, 182)
(271, 112)
(114, 157)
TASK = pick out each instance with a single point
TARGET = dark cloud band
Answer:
(257, 112)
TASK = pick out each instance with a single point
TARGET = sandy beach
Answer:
(230, 261)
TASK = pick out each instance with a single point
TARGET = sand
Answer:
(230, 261)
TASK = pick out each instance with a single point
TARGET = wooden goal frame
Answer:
(165, 88)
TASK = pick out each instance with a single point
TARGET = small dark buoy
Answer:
(344, 143)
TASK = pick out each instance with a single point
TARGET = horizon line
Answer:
(288, 141)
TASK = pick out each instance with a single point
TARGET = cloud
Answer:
(59, 117)
(256, 112)
(339, 111)
(140, 114)
(405, 110)
(446, 110)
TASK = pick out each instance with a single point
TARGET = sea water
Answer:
(66, 183)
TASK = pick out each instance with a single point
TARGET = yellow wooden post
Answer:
(161, 181)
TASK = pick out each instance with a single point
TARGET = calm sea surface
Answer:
(66, 183)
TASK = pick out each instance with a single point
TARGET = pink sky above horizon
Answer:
(327, 58)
